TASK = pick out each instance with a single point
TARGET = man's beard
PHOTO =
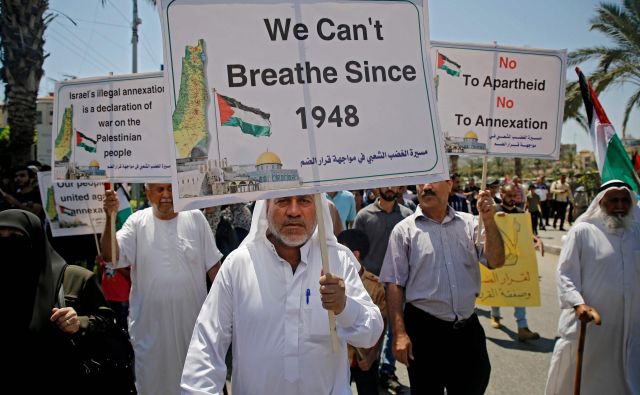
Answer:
(615, 222)
(289, 241)
(388, 196)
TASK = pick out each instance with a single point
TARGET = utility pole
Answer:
(135, 188)
(134, 37)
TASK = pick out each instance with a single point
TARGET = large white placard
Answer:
(279, 98)
(501, 101)
(112, 128)
(72, 206)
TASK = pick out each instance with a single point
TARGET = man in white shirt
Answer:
(270, 300)
(170, 255)
(599, 266)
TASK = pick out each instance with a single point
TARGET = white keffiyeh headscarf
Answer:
(260, 223)
(594, 212)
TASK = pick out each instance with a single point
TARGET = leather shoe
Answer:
(495, 322)
(390, 382)
(525, 334)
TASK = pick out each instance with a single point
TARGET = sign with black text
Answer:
(111, 128)
(274, 99)
(500, 101)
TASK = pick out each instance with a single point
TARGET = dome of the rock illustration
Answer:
(471, 135)
(268, 158)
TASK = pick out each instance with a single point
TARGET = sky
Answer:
(100, 42)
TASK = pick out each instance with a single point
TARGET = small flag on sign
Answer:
(448, 65)
(67, 211)
(85, 142)
(250, 120)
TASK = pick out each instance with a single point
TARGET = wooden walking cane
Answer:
(583, 333)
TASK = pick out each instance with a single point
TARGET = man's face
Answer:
(616, 202)
(472, 182)
(509, 197)
(389, 193)
(539, 180)
(563, 178)
(21, 178)
(292, 219)
(434, 194)
(516, 181)
(160, 197)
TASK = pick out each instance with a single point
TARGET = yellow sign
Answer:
(516, 283)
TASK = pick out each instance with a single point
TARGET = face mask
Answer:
(16, 251)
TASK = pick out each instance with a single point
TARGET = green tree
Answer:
(617, 65)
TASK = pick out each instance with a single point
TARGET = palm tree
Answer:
(617, 65)
(22, 26)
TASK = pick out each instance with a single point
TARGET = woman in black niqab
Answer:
(32, 275)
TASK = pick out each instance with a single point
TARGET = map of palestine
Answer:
(63, 140)
(190, 130)
(51, 205)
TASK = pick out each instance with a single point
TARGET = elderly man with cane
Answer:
(599, 266)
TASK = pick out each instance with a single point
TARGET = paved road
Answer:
(519, 368)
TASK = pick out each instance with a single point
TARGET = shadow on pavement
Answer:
(542, 345)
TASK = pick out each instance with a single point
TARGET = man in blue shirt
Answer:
(346, 204)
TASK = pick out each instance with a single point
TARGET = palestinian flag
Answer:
(250, 120)
(124, 208)
(448, 65)
(67, 211)
(85, 142)
(611, 157)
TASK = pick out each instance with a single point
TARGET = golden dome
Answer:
(268, 158)
(471, 135)
(94, 163)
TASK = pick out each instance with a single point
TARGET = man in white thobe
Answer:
(270, 300)
(170, 255)
(599, 268)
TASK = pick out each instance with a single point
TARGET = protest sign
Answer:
(71, 206)
(516, 283)
(499, 101)
(111, 128)
(274, 99)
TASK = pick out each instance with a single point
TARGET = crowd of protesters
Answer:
(379, 228)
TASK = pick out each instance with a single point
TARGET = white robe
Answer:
(281, 342)
(601, 269)
(169, 261)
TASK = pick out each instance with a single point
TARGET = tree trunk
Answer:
(22, 26)
(518, 167)
(453, 163)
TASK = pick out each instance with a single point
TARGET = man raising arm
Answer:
(432, 264)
